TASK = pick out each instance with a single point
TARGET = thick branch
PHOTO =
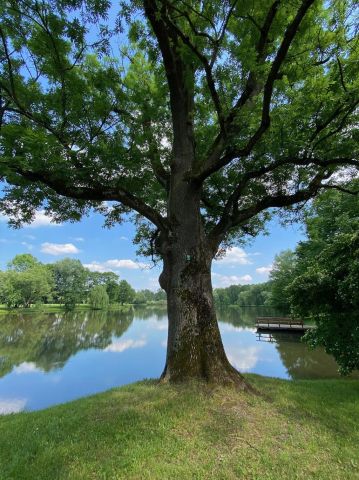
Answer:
(178, 76)
(207, 68)
(240, 217)
(97, 193)
(260, 172)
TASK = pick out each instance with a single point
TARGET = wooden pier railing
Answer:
(278, 322)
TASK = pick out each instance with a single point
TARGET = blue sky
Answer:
(112, 249)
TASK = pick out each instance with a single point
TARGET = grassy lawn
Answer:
(297, 430)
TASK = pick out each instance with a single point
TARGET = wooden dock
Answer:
(281, 323)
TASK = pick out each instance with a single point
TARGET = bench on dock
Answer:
(284, 322)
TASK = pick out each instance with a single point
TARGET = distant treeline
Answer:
(28, 281)
(244, 295)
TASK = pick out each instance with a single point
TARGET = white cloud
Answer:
(127, 263)
(264, 270)
(235, 256)
(115, 264)
(160, 325)
(95, 267)
(78, 239)
(121, 346)
(27, 245)
(30, 237)
(40, 220)
(220, 280)
(26, 367)
(245, 358)
(59, 248)
(12, 406)
(123, 238)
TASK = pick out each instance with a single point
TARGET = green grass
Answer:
(57, 307)
(296, 430)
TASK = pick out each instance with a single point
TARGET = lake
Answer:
(47, 359)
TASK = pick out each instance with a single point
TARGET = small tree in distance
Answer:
(98, 298)
(126, 293)
(208, 116)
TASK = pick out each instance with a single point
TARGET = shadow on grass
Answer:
(146, 431)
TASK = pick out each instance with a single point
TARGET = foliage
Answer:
(99, 298)
(243, 295)
(140, 298)
(27, 281)
(146, 295)
(108, 279)
(70, 282)
(198, 118)
(282, 273)
(25, 287)
(126, 293)
(22, 262)
(255, 295)
(320, 280)
(266, 93)
(328, 292)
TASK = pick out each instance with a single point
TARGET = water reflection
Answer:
(46, 341)
(53, 358)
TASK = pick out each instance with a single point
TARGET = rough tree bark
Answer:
(194, 347)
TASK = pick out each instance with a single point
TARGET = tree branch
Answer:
(98, 193)
(206, 65)
(232, 217)
(215, 161)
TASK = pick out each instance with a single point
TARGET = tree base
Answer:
(226, 376)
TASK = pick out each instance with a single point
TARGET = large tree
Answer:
(200, 117)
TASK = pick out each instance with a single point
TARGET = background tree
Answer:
(99, 298)
(108, 279)
(160, 295)
(140, 298)
(70, 282)
(220, 296)
(209, 115)
(22, 262)
(126, 293)
(282, 274)
(25, 287)
(325, 284)
(255, 295)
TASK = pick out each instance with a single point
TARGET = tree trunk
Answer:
(194, 348)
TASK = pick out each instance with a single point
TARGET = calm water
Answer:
(53, 358)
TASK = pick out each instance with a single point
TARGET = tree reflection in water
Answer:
(301, 361)
(49, 340)
(46, 342)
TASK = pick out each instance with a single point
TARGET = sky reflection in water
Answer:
(47, 359)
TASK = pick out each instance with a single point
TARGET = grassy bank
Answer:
(299, 430)
(57, 307)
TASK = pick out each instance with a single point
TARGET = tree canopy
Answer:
(268, 91)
